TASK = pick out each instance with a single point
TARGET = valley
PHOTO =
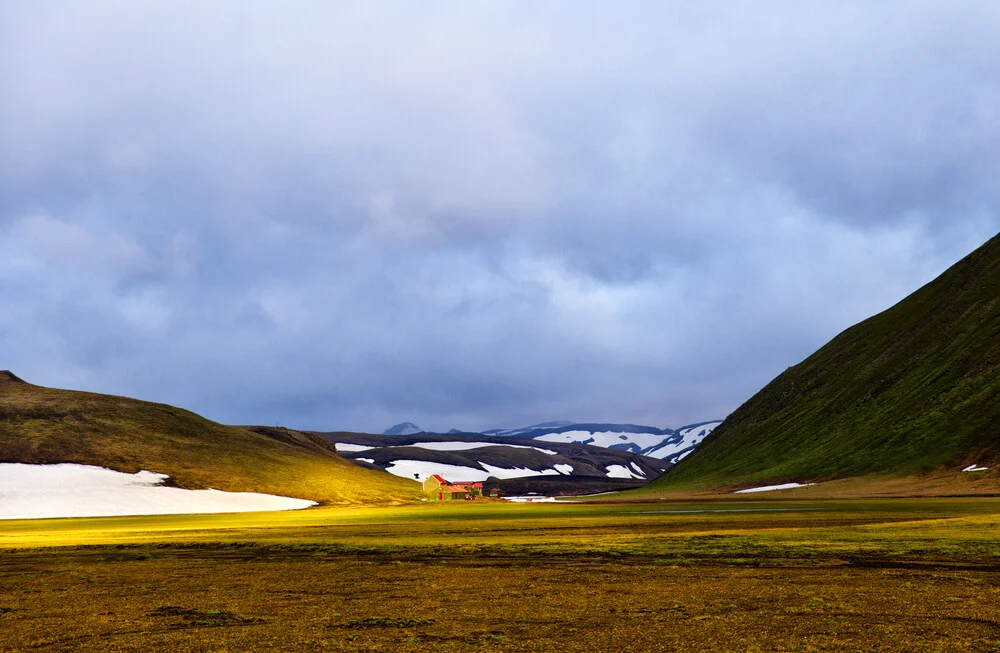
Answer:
(765, 575)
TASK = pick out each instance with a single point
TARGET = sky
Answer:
(340, 216)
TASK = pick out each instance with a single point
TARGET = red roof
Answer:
(440, 478)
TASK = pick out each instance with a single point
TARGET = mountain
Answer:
(912, 390)
(404, 428)
(44, 425)
(534, 427)
(666, 444)
(549, 468)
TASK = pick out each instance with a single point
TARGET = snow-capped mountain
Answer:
(404, 428)
(682, 442)
(670, 445)
(526, 429)
(523, 466)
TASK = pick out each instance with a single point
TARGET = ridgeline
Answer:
(44, 425)
(912, 390)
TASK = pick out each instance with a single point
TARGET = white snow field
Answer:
(71, 490)
(466, 446)
(690, 437)
(768, 488)
(975, 468)
(620, 471)
(603, 438)
(347, 446)
(421, 469)
(530, 499)
(517, 472)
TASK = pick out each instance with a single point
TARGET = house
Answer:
(440, 489)
(433, 482)
(473, 488)
(451, 493)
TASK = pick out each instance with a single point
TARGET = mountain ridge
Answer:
(40, 425)
(907, 391)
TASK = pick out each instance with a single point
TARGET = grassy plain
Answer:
(887, 575)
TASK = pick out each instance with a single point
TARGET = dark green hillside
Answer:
(913, 389)
(43, 425)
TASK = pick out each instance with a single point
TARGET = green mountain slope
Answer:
(43, 425)
(911, 390)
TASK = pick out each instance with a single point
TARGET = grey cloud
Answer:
(343, 216)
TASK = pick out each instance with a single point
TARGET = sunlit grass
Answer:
(796, 529)
(899, 575)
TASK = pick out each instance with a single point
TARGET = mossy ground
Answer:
(904, 575)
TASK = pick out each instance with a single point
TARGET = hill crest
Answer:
(911, 390)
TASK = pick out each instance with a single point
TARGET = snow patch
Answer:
(516, 472)
(347, 446)
(564, 469)
(530, 499)
(974, 468)
(370, 461)
(603, 438)
(71, 490)
(768, 488)
(466, 446)
(420, 470)
(620, 471)
(683, 442)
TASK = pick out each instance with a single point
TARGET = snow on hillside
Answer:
(606, 439)
(664, 444)
(420, 470)
(466, 446)
(71, 490)
(527, 429)
(347, 446)
(620, 471)
(682, 443)
(770, 488)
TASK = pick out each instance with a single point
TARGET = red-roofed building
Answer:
(433, 482)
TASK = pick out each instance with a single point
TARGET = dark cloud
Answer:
(348, 216)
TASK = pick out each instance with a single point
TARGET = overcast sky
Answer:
(478, 214)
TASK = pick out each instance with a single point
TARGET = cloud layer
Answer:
(345, 215)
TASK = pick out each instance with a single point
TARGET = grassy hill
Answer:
(44, 425)
(909, 391)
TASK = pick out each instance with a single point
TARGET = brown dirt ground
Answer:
(107, 599)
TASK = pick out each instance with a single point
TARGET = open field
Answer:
(893, 575)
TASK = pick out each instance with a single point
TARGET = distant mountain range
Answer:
(670, 445)
(405, 428)
(522, 465)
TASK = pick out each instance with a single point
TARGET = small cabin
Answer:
(440, 489)
(451, 493)
(473, 488)
(433, 482)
